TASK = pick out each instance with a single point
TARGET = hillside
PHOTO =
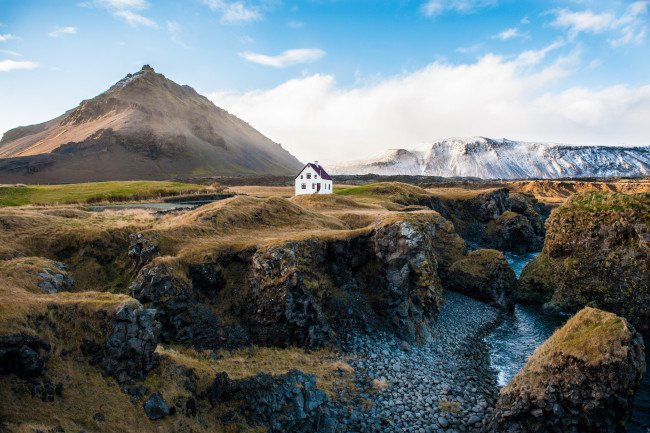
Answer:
(487, 158)
(143, 127)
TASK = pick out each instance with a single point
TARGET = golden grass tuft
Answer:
(449, 406)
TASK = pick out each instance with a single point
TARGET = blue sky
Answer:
(346, 79)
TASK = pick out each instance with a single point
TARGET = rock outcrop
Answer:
(286, 403)
(597, 253)
(484, 275)
(582, 379)
(23, 355)
(130, 350)
(306, 292)
(303, 291)
(182, 317)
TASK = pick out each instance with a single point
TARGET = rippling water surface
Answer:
(521, 332)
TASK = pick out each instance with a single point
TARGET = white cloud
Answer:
(10, 65)
(134, 19)
(234, 12)
(630, 26)
(125, 9)
(437, 7)
(7, 37)
(314, 118)
(296, 24)
(175, 33)
(287, 58)
(11, 53)
(525, 20)
(509, 34)
(60, 31)
(123, 4)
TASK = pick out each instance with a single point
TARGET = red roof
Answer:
(318, 169)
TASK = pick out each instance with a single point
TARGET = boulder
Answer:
(484, 275)
(582, 379)
(156, 407)
(595, 253)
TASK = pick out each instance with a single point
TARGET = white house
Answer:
(313, 179)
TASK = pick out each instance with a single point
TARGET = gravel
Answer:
(446, 384)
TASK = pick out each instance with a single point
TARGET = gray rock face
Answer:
(130, 350)
(141, 250)
(23, 355)
(182, 317)
(286, 403)
(409, 268)
(582, 379)
(156, 407)
(56, 280)
(302, 290)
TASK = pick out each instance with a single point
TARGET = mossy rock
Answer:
(484, 275)
(583, 377)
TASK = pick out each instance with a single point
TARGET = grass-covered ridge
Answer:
(93, 192)
(602, 201)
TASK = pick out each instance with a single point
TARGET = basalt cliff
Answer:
(596, 253)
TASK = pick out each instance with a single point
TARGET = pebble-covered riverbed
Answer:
(445, 385)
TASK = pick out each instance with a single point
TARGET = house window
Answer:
(313, 186)
(315, 176)
(301, 176)
(303, 186)
(308, 175)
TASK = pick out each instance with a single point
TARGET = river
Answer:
(520, 333)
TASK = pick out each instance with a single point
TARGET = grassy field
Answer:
(92, 192)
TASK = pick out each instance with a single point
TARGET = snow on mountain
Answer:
(506, 159)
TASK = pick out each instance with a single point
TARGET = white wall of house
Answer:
(309, 182)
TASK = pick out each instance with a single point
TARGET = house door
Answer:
(318, 187)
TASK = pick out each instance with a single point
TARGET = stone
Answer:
(484, 275)
(585, 376)
(156, 407)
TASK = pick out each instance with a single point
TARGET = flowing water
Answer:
(522, 331)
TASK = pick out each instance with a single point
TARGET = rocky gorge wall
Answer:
(306, 292)
(582, 379)
(597, 253)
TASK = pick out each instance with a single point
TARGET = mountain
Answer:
(506, 159)
(144, 127)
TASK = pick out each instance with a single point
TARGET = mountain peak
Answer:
(508, 159)
(169, 129)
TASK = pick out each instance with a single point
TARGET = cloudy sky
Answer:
(336, 80)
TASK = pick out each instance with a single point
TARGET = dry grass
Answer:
(457, 193)
(328, 202)
(449, 406)
(247, 362)
(263, 191)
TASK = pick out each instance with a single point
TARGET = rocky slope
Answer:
(143, 127)
(489, 218)
(488, 158)
(583, 379)
(596, 252)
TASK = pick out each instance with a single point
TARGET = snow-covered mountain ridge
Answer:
(488, 158)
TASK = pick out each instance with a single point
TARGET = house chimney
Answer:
(316, 164)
